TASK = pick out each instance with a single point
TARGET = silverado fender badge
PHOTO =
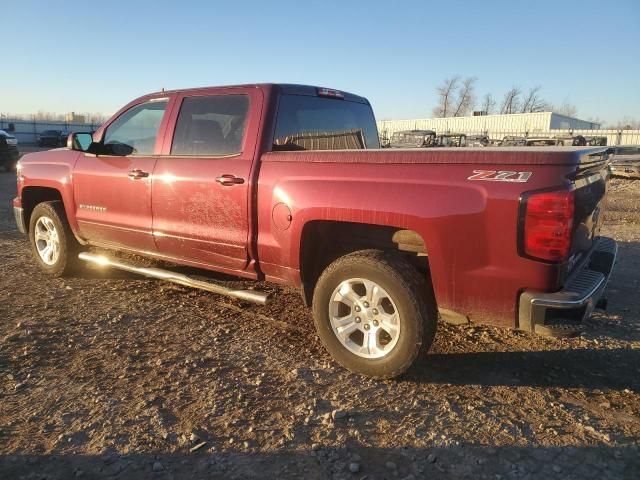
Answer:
(500, 176)
(94, 208)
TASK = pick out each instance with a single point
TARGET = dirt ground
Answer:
(109, 375)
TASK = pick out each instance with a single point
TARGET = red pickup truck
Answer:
(287, 183)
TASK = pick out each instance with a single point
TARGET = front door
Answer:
(201, 184)
(113, 190)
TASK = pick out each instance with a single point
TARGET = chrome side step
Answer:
(247, 295)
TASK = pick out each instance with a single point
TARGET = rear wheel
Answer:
(53, 244)
(374, 313)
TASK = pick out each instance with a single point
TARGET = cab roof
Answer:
(282, 88)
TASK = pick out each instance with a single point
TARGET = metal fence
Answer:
(613, 136)
(26, 131)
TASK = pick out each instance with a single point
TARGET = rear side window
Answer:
(318, 123)
(134, 132)
(211, 125)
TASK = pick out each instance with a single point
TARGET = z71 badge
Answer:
(500, 176)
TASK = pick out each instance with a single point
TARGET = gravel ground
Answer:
(113, 376)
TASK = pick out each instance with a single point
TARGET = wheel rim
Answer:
(364, 318)
(47, 240)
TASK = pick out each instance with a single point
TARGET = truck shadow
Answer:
(299, 461)
(622, 294)
(610, 369)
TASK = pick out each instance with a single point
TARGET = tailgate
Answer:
(590, 179)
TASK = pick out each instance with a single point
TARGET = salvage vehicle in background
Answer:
(477, 141)
(413, 139)
(596, 141)
(542, 142)
(513, 141)
(9, 153)
(52, 138)
(451, 140)
(625, 161)
(380, 242)
(574, 140)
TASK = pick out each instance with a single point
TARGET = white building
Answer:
(493, 125)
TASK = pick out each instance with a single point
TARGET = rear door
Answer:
(113, 191)
(201, 183)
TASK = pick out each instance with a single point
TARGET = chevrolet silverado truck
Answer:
(287, 184)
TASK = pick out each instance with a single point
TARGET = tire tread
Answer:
(398, 269)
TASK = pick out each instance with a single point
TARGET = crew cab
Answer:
(287, 183)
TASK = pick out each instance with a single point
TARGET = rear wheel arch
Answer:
(374, 312)
(324, 241)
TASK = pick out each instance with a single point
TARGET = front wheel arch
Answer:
(58, 236)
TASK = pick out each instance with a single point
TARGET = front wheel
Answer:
(374, 313)
(52, 242)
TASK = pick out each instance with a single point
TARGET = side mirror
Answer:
(79, 141)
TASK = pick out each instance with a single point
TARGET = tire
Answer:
(402, 291)
(49, 218)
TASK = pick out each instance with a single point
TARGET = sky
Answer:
(96, 56)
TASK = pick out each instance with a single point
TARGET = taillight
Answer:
(548, 224)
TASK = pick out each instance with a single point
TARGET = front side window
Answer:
(135, 131)
(211, 125)
(317, 123)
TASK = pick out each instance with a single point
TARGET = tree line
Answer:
(457, 98)
(43, 116)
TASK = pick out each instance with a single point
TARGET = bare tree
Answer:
(488, 104)
(627, 123)
(511, 101)
(446, 93)
(95, 117)
(533, 102)
(466, 98)
(567, 109)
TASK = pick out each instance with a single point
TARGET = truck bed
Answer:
(480, 155)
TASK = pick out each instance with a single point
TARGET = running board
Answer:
(247, 295)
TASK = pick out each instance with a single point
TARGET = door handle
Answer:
(228, 180)
(137, 174)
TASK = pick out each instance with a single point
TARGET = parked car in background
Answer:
(52, 138)
(596, 141)
(542, 142)
(477, 141)
(513, 141)
(625, 161)
(573, 140)
(8, 151)
(451, 140)
(413, 139)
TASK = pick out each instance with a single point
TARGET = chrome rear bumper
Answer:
(579, 297)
